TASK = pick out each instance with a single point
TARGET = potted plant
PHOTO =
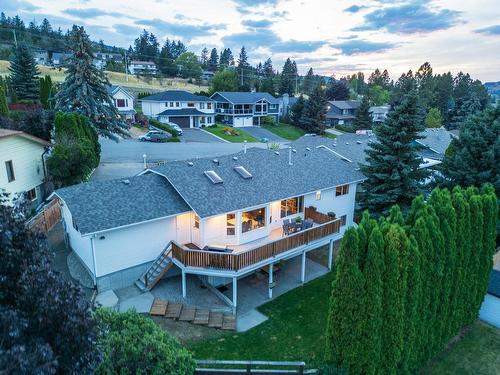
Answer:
(331, 214)
(298, 219)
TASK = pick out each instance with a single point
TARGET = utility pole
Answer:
(15, 38)
(126, 67)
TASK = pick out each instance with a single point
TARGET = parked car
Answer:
(154, 136)
(176, 127)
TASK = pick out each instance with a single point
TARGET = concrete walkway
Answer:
(333, 131)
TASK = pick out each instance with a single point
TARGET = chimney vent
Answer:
(126, 182)
(235, 158)
(190, 163)
(276, 152)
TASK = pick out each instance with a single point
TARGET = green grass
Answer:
(242, 135)
(329, 135)
(476, 353)
(296, 328)
(286, 131)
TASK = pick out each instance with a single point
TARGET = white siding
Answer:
(129, 100)
(131, 246)
(26, 159)
(153, 108)
(81, 245)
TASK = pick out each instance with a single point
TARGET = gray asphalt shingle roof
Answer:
(176, 95)
(102, 205)
(437, 140)
(247, 97)
(345, 104)
(182, 112)
(272, 178)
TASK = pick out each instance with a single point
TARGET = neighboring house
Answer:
(379, 113)
(221, 219)
(245, 108)
(124, 102)
(180, 107)
(142, 67)
(490, 308)
(59, 58)
(286, 102)
(22, 165)
(41, 57)
(107, 56)
(436, 141)
(99, 64)
(341, 112)
(207, 76)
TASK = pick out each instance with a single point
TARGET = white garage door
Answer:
(243, 121)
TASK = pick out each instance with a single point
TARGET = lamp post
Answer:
(144, 159)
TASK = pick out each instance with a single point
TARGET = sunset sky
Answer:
(333, 36)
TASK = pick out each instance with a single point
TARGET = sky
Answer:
(336, 37)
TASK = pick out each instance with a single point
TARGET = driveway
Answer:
(196, 135)
(260, 133)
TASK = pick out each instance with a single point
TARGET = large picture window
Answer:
(292, 206)
(251, 220)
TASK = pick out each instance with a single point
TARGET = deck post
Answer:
(270, 289)
(303, 268)
(235, 294)
(330, 255)
(183, 283)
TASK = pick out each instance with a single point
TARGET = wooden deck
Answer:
(249, 257)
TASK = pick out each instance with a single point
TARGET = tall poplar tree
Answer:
(84, 88)
(24, 74)
(4, 108)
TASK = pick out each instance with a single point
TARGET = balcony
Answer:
(230, 111)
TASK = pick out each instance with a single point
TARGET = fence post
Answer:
(301, 369)
(249, 368)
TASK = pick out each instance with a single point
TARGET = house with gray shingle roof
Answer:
(223, 218)
(245, 108)
(123, 101)
(180, 107)
(341, 112)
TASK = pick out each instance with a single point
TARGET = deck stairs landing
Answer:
(156, 271)
(180, 312)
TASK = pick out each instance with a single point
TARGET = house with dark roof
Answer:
(341, 112)
(180, 107)
(222, 219)
(245, 108)
(142, 67)
(123, 101)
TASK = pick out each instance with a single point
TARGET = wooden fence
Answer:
(235, 262)
(317, 217)
(45, 220)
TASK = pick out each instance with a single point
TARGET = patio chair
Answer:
(307, 224)
(286, 221)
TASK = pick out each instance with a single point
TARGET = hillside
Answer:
(134, 84)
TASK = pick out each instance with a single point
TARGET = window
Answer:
(209, 105)
(31, 194)
(209, 120)
(171, 104)
(254, 219)
(10, 171)
(202, 119)
(341, 190)
(202, 105)
(120, 103)
(197, 221)
(177, 104)
(318, 195)
(190, 104)
(343, 220)
(292, 206)
(231, 224)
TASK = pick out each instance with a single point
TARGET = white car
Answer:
(175, 127)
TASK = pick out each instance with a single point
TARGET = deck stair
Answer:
(206, 317)
(156, 271)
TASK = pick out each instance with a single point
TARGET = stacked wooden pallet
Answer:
(178, 311)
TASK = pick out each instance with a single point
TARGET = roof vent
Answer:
(235, 158)
(308, 148)
(243, 172)
(276, 152)
(216, 161)
(294, 150)
(126, 182)
(214, 177)
(359, 142)
(347, 143)
(190, 163)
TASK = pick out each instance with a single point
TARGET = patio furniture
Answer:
(218, 249)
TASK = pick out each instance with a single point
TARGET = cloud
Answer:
(257, 23)
(490, 30)
(248, 3)
(16, 6)
(296, 46)
(91, 12)
(354, 8)
(181, 30)
(409, 19)
(361, 46)
(126, 29)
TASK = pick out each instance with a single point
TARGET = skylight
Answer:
(243, 172)
(214, 177)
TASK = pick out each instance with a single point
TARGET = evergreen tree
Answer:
(4, 108)
(378, 78)
(244, 70)
(374, 289)
(24, 74)
(46, 91)
(268, 82)
(337, 90)
(296, 111)
(288, 78)
(213, 61)
(345, 323)
(443, 97)
(204, 57)
(363, 119)
(226, 58)
(476, 238)
(84, 88)
(393, 162)
(309, 82)
(474, 158)
(313, 115)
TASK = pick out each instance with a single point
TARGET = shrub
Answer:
(331, 214)
(173, 139)
(165, 127)
(134, 344)
(269, 120)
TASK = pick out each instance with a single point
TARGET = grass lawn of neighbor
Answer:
(296, 327)
(286, 131)
(239, 135)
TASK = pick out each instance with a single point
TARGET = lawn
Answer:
(240, 137)
(295, 331)
(286, 131)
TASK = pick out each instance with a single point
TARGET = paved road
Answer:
(260, 133)
(131, 150)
